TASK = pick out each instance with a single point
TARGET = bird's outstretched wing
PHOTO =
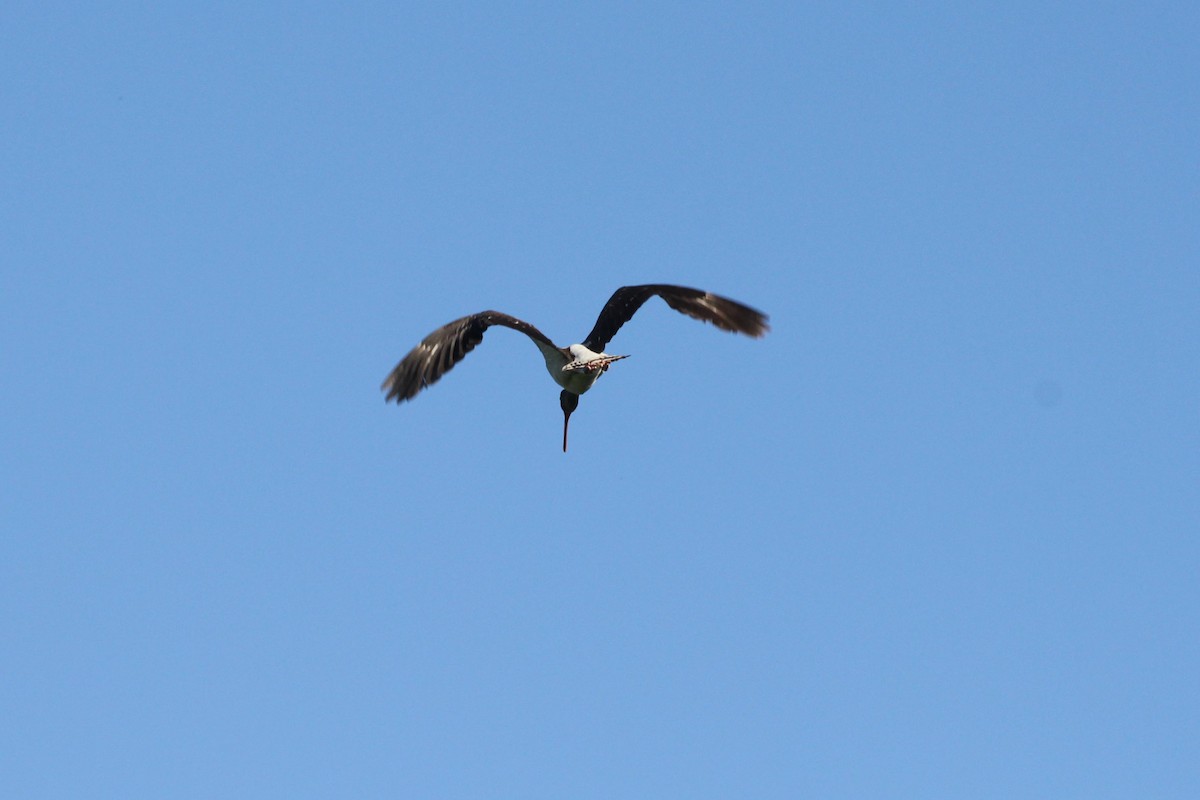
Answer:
(441, 350)
(726, 314)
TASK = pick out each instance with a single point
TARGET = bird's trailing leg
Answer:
(600, 363)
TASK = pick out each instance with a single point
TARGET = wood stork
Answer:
(576, 367)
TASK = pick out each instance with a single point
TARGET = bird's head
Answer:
(569, 402)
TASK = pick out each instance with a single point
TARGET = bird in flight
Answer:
(575, 367)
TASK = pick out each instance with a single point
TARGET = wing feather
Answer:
(726, 314)
(438, 352)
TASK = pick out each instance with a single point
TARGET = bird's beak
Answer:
(569, 403)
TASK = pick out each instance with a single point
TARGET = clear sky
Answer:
(935, 536)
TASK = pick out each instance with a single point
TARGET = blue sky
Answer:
(935, 536)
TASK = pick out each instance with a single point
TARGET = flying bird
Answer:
(576, 367)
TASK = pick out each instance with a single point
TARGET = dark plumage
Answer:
(576, 367)
(728, 315)
(445, 347)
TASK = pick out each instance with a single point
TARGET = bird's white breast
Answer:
(558, 365)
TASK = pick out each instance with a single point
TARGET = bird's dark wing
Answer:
(726, 314)
(441, 350)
